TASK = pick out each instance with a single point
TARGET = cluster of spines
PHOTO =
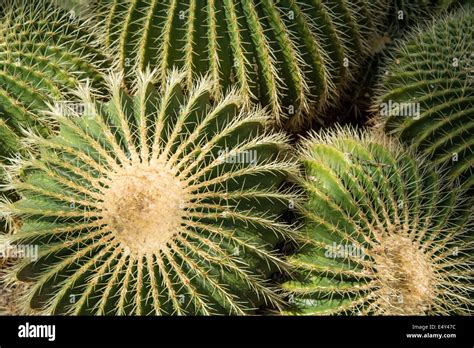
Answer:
(44, 55)
(218, 258)
(295, 58)
(292, 56)
(384, 232)
(428, 83)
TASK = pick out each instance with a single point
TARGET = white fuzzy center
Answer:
(144, 207)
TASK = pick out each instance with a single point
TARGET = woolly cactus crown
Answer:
(384, 232)
(153, 204)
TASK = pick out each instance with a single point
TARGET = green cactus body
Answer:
(426, 96)
(76, 6)
(161, 203)
(293, 57)
(44, 54)
(411, 11)
(383, 233)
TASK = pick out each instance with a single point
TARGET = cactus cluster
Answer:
(426, 96)
(160, 203)
(384, 234)
(149, 161)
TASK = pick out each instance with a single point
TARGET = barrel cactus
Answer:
(383, 232)
(404, 13)
(44, 54)
(293, 57)
(426, 96)
(160, 203)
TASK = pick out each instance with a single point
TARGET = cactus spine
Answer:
(153, 204)
(383, 230)
(44, 55)
(409, 12)
(426, 96)
(293, 57)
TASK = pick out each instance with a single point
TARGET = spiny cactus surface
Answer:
(406, 12)
(426, 96)
(383, 233)
(160, 203)
(44, 54)
(9, 293)
(292, 56)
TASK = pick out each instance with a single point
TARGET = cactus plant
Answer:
(426, 95)
(44, 54)
(160, 203)
(383, 232)
(293, 57)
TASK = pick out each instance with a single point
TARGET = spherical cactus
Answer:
(426, 96)
(44, 54)
(293, 57)
(153, 204)
(383, 232)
